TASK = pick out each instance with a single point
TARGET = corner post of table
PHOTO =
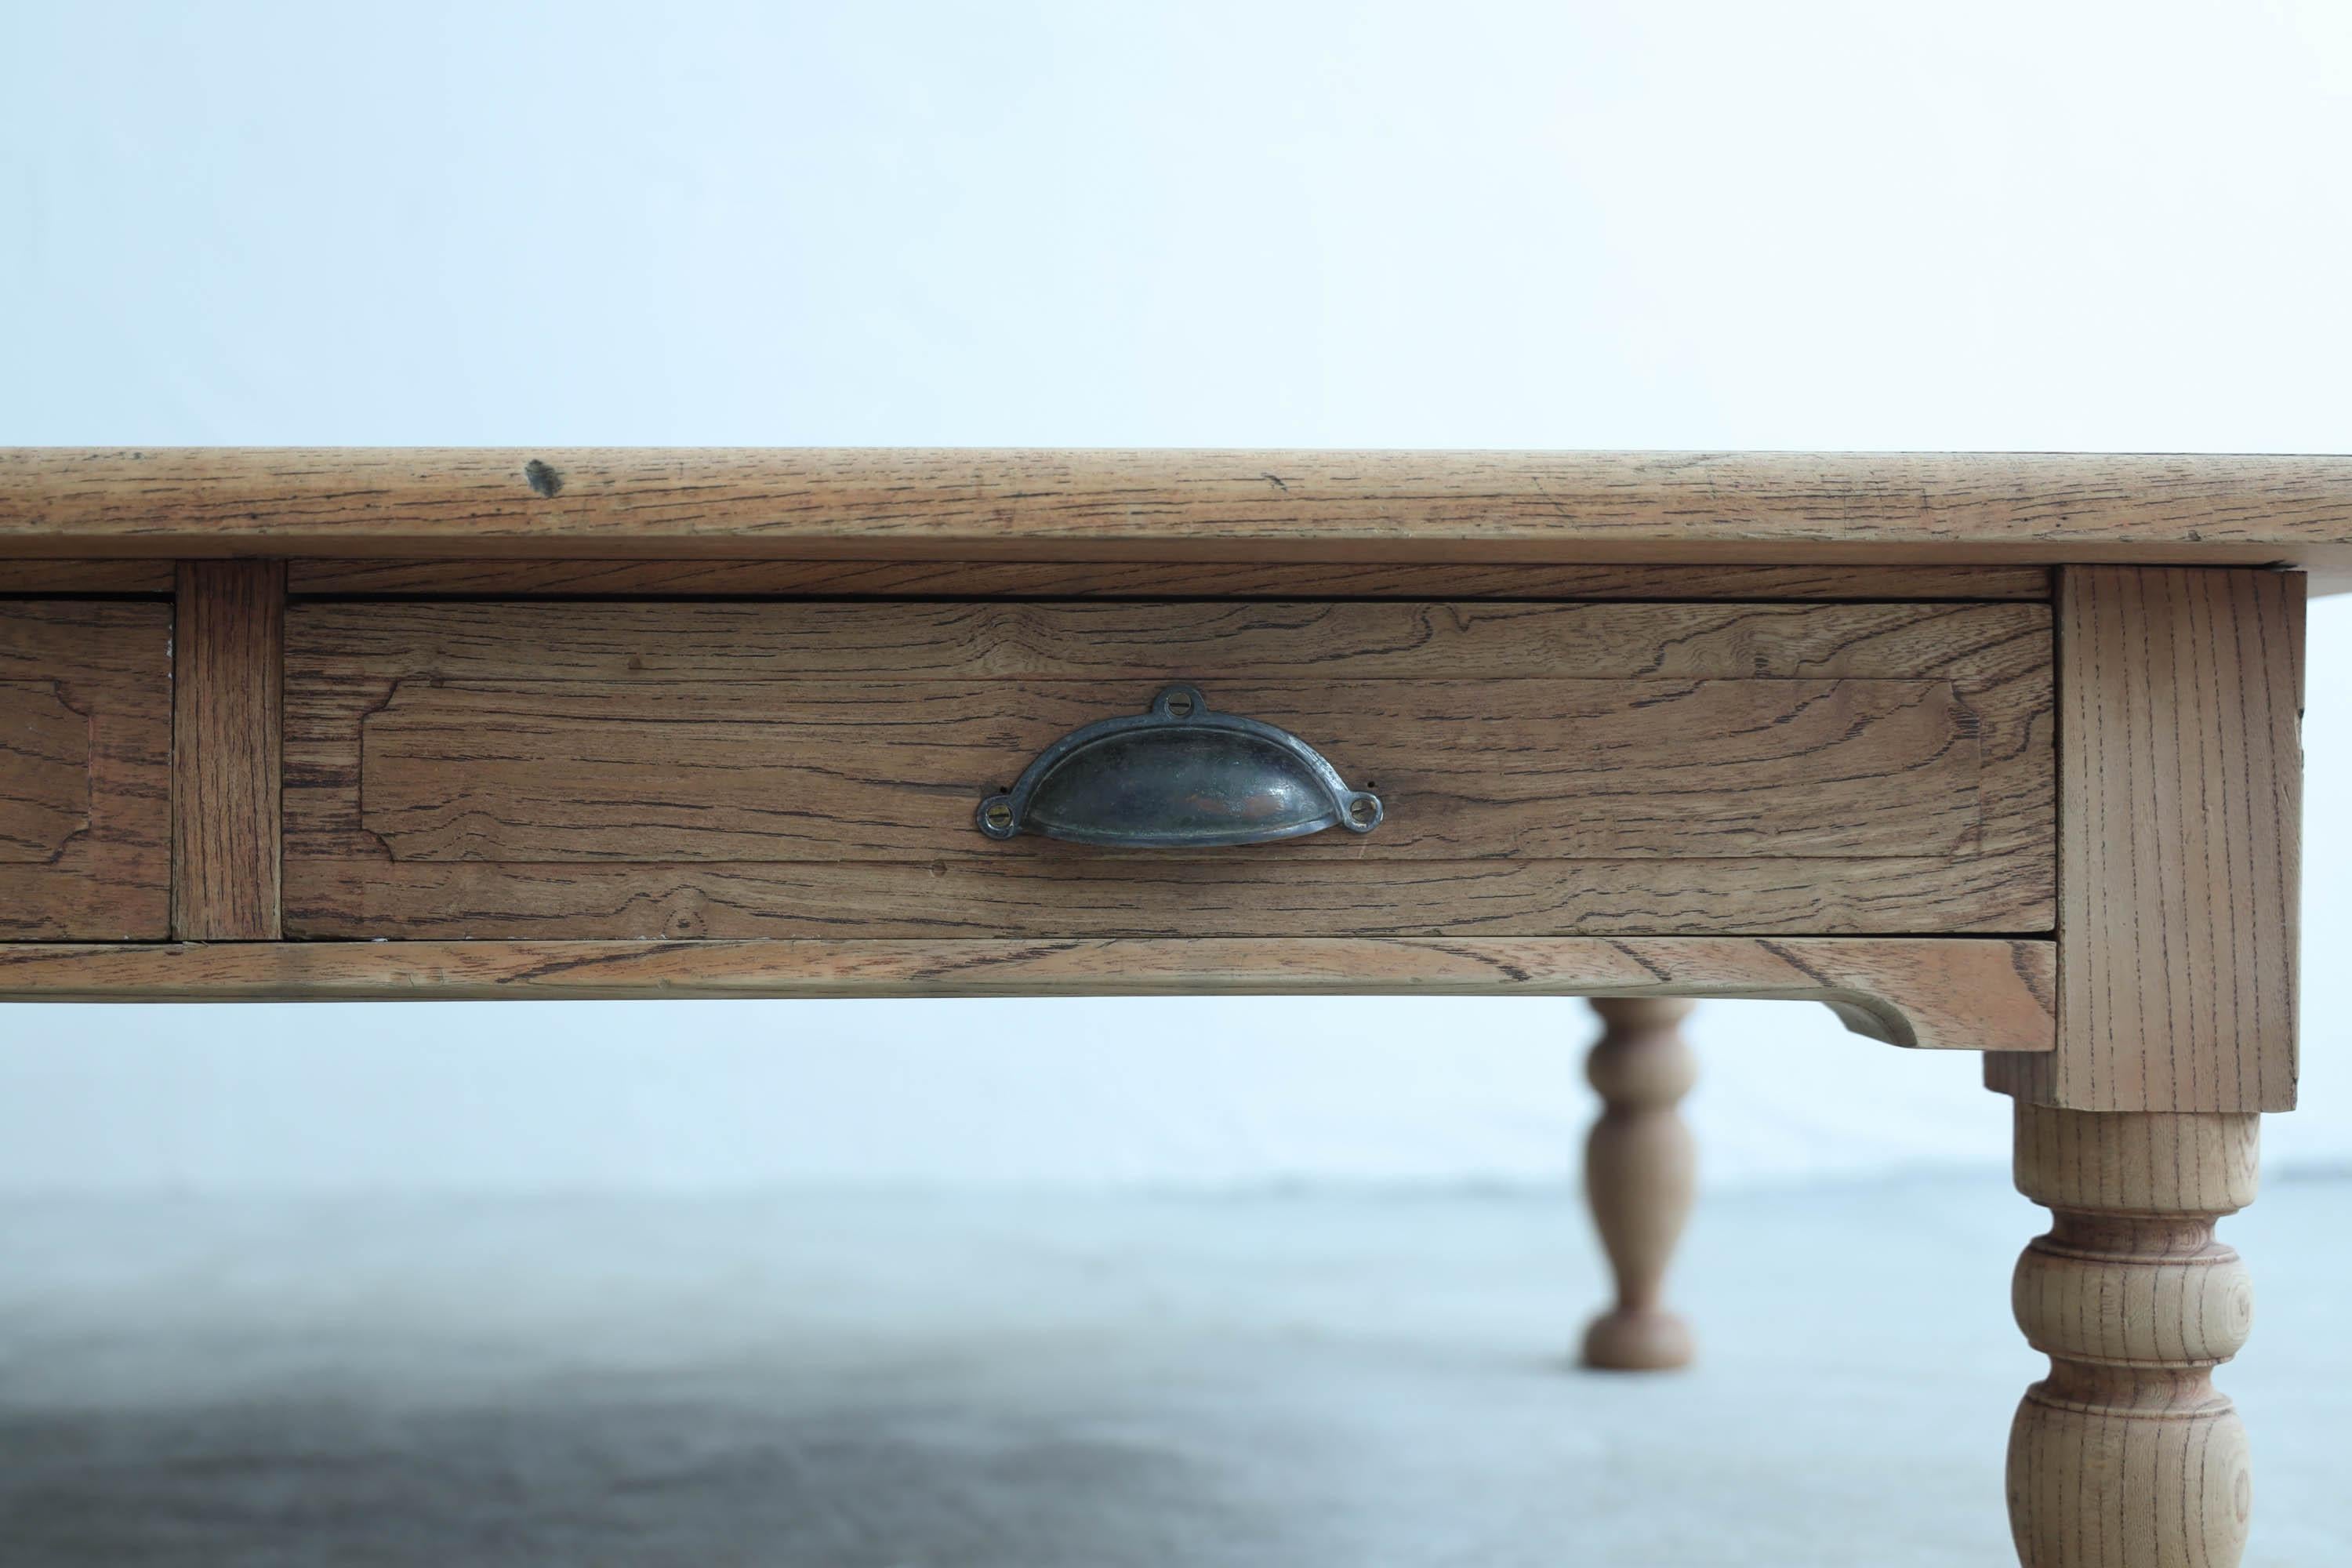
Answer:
(2179, 782)
(1640, 1177)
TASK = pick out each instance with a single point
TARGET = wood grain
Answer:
(109, 577)
(541, 769)
(85, 743)
(1975, 643)
(1148, 580)
(1062, 894)
(1931, 993)
(2180, 841)
(43, 773)
(545, 771)
(2127, 1455)
(1764, 508)
(228, 755)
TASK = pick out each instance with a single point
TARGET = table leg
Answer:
(2127, 1455)
(1640, 1176)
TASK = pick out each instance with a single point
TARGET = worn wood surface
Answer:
(539, 770)
(1932, 992)
(117, 578)
(85, 745)
(2180, 768)
(227, 756)
(2127, 1455)
(1641, 1176)
(1592, 507)
(43, 773)
(1060, 894)
(542, 771)
(1148, 580)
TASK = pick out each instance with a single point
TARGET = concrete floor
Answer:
(1025, 1381)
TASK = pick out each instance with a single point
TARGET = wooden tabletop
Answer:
(1305, 506)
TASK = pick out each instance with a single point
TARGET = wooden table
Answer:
(1993, 754)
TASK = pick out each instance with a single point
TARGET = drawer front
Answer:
(656, 769)
(85, 764)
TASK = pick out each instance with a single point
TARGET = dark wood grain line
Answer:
(1151, 580)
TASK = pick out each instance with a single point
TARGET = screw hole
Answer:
(1360, 812)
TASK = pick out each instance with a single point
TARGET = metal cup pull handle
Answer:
(1178, 775)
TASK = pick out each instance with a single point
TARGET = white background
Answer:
(2048, 226)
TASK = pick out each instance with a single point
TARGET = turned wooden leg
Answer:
(1641, 1172)
(2127, 1455)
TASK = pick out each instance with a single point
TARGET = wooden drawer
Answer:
(666, 769)
(85, 766)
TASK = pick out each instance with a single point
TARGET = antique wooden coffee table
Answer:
(1991, 754)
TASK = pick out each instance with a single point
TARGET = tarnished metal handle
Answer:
(1177, 776)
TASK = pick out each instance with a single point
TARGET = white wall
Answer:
(1997, 225)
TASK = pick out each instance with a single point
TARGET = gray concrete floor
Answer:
(1035, 1381)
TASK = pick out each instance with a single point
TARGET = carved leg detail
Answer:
(1639, 1175)
(2127, 1455)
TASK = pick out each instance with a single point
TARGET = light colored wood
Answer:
(1151, 580)
(1641, 1176)
(118, 577)
(445, 762)
(1651, 507)
(226, 756)
(529, 769)
(2127, 1455)
(1062, 893)
(85, 747)
(657, 770)
(1932, 992)
(1972, 644)
(2179, 841)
